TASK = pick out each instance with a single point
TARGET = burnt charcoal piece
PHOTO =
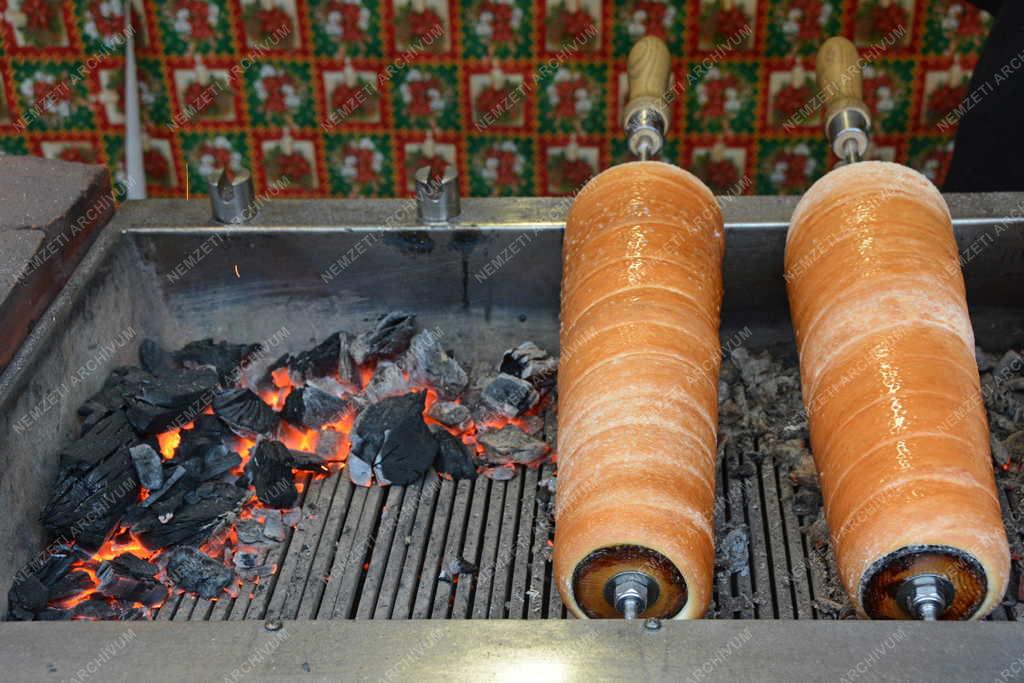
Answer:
(225, 358)
(73, 583)
(131, 579)
(329, 357)
(530, 362)
(109, 434)
(86, 502)
(450, 413)
(328, 445)
(391, 437)
(158, 402)
(119, 383)
(208, 431)
(308, 462)
(510, 395)
(272, 474)
(734, 552)
(148, 466)
(510, 444)
(389, 338)
(499, 472)
(428, 363)
(154, 359)
(218, 460)
(200, 514)
(169, 483)
(197, 572)
(245, 412)
(36, 584)
(453, 458)
(388, 380)
(359, 472)
(312, 408)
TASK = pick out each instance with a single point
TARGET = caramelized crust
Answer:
(637, 385)
(891, 388)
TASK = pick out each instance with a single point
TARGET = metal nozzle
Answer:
(437, 199)
(232, 198)
(631, 593)
(926, 596)
(645, 133)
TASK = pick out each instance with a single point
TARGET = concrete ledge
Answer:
(50, 212)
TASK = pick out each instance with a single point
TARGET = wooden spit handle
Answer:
(647, 70)
(839, 77)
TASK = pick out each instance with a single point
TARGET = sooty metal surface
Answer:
(377, 553)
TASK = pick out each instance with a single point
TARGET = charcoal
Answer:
(247, 563)
(330, 357)
(392, 437)
(148, 466)
(112, 396)
(531, 363)
(218, 460)
(450, 414)
(169, 482)
(272, 474)
(428, 363)
(510, 444)
(95, 609)
(154, 359)
(309, 407)
(223, 357)
(131, 579)
(266, 533)
(806, 502)
(107, 436)
(453, 458)
(734, 553)
(328, 445)
(197, 572)
(208, 431)
(510, 395)
(245, 412)
(87, 502)
(359, 473)
(71, 584)
(308, 462)
(389, 338)
(202, 512)
(499, 472)
(388, 380)
(35, 585)
(156, 403)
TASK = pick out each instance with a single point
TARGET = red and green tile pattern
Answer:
(349, 97)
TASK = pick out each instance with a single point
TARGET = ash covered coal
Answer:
(188, 467)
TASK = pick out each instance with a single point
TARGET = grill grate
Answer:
(381, 550)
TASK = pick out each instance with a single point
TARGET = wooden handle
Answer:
(839, 77)
(648, 69)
